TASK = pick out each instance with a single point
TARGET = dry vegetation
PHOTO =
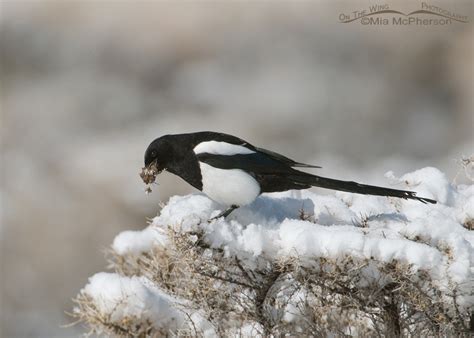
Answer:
(310, 297)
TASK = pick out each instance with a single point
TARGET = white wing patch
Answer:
(221, 148)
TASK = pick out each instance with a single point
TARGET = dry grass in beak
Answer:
(148, 175)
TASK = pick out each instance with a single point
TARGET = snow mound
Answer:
(307, 227)
(420, 235)
(124, 298)
(137, 242)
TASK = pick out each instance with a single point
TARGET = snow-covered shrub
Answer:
(295, 263)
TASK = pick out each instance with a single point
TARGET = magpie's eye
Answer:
(153, 153)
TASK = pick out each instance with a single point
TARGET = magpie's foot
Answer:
(225, 213)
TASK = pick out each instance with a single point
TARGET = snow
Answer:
(127, 297)
(423, 236)
(137, 242)
(431, 183)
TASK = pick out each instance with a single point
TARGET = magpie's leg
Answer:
(226, 212)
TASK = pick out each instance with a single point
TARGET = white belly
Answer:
(229, 186)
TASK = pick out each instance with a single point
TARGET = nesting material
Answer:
(148, 175)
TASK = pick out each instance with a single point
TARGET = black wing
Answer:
(204, 136)
(285, 159)
(271, 172)
(257, 163)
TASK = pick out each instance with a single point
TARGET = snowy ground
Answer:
(306, 225)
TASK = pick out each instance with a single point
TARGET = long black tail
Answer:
(349, 186)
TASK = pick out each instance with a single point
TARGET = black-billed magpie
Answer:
(233, 172)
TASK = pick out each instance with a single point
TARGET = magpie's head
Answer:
(157, 158)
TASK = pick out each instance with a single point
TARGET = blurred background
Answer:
(86, 86)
